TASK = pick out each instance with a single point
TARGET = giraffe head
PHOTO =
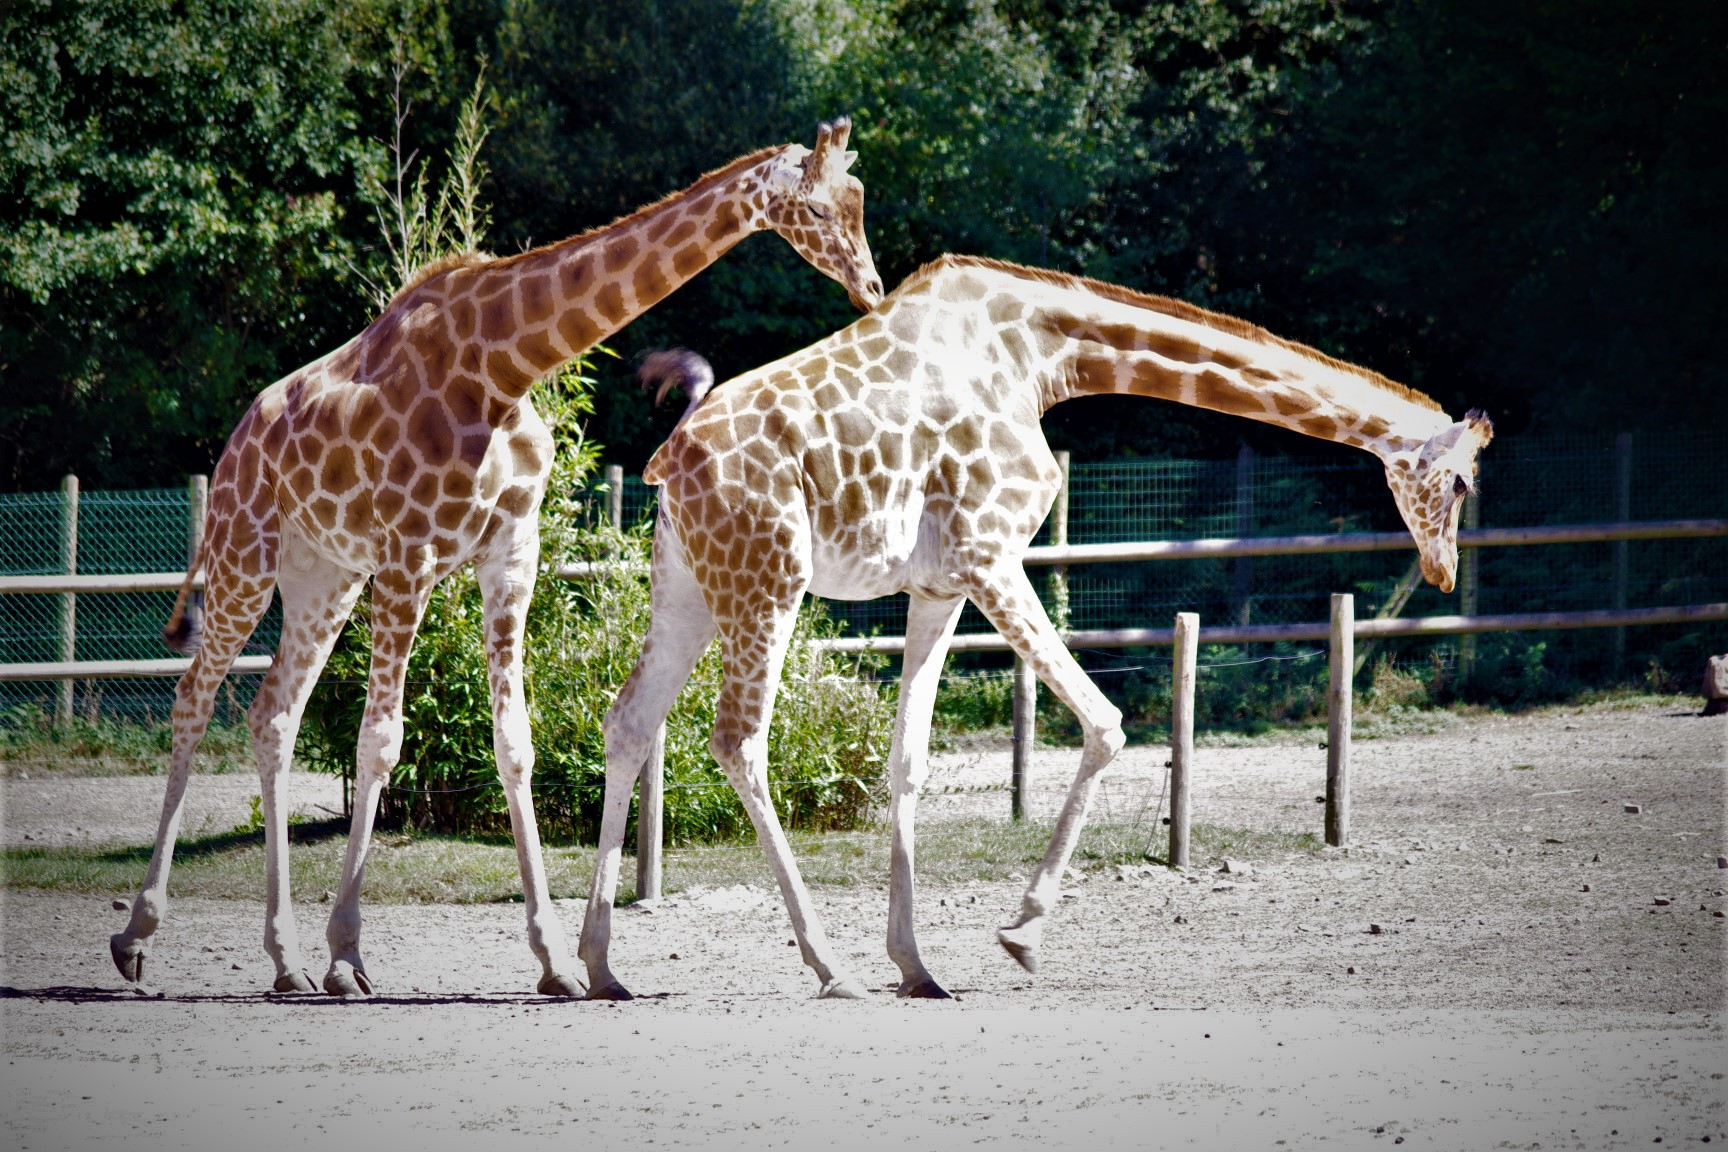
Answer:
(819, 209)
(1429, 483)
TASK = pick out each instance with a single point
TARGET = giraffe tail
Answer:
(184, 631)
(670, 368)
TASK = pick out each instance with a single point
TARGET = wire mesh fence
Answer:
(1524, 481)
(143, 530)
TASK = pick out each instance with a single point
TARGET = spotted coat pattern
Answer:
(413, 449)
(904, 454)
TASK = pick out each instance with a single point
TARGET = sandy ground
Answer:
(1549, 971)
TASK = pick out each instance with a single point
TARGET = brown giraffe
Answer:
(904, 454)
(413, 449)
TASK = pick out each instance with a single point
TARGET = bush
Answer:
(827, 744)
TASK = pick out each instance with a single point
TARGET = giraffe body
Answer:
(414, 449)
(904, 454)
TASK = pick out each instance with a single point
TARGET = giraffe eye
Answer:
(818, 212)
(1460, 485)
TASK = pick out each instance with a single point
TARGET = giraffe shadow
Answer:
(77, 994)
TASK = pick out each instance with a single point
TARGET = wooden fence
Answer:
(1186, 634)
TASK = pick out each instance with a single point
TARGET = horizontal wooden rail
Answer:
(117, 669)
(1370, 542)
(1069, 554)
(99, 582)
(1268, 633)
(1221, 547)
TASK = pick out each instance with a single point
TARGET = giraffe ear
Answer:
(1479, 424)
(792, 169)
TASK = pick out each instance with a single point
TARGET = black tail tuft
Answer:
(670, 368)
(184, 631)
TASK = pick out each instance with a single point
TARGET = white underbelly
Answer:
(883, 556)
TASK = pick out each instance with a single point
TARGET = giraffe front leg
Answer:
(929, 625)
(506, 587)
(316, 599)
(398, 602)
(1008, 601)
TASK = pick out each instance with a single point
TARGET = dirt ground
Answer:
(1505, 956)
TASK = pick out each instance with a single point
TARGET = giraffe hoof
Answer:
(294, 982)
(568, 986)
(128, 956)
(347, 982)
(924, 988)
(841, 988)
(611, 990)
(1021, 944)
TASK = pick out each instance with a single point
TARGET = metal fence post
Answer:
(1338, 717)
(1182, 673)
(68, 600)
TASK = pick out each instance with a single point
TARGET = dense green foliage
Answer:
(1513, 205)
(828, 743)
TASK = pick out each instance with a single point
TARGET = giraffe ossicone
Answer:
(414, 449)
(904, 454)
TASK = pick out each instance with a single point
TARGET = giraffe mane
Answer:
(702, 184)
(1182, 310)
(435, 268)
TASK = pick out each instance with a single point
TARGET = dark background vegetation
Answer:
(1515, 205)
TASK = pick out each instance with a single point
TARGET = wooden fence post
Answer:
(68, 600)
(615, 495)
(1025, 734)
(1025, 682)
(650, 822)
(1623, 513)
(1469, 584)
(1059, 610)
(1244, 528)
(1182, 670)
(1338, 717)
(198, 502)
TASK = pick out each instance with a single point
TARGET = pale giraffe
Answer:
(413, 449)
(904, 454)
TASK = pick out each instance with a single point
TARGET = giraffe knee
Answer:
(513, 746)
(380, 746)
(627, 739)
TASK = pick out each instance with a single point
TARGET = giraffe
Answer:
(411, 450)
(904, 454)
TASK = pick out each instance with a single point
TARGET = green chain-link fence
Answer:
(1524, 481)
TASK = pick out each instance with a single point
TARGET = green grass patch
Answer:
(421, 868)
(32, 741)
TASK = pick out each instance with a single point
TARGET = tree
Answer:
(181, 192)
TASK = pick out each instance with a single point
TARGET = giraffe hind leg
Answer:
(679, 631)
(1008, 601)
(756, 643)
(235, 607)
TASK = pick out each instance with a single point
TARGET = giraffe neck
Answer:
(522, 316)
(1102, 339)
